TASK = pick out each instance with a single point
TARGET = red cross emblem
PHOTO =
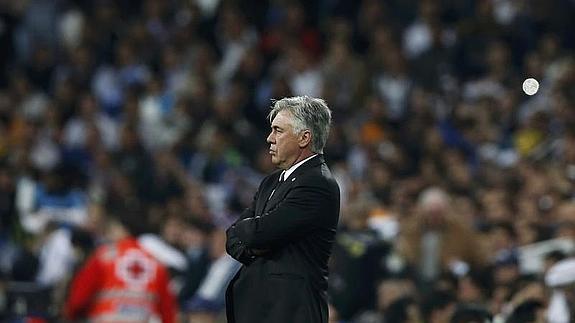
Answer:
(135, 268)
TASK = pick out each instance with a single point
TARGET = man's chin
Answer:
(275, 161)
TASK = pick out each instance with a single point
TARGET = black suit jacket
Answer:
(298, 225)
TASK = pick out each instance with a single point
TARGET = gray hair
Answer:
(308, 113)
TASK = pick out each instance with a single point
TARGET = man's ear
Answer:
(304, 139)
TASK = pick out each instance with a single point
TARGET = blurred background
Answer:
(457, 188)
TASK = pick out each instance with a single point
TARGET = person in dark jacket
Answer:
(285, 238)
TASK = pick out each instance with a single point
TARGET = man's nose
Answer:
(270, 138)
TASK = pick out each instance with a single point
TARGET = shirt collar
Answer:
(290, 170)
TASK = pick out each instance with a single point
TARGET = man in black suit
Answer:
(285, 238)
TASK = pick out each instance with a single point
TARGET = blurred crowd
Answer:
(457, 188)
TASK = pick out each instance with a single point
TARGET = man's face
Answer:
(284, 147)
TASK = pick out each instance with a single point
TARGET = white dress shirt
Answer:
(286, 173)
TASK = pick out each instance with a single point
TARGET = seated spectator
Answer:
(358, 262)
(50, 210)
(435, 240)
(56, 198)
(209, 299)
(195, 242)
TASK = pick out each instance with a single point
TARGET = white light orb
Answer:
(530, 86)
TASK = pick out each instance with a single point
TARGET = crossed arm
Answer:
(254, 235)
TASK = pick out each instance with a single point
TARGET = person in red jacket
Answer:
(121, 282)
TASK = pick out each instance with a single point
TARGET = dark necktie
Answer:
(278, 184)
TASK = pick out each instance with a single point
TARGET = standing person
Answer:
(285, 238)
(121, 282)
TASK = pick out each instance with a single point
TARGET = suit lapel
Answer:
(278, 195)
(267, 189)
